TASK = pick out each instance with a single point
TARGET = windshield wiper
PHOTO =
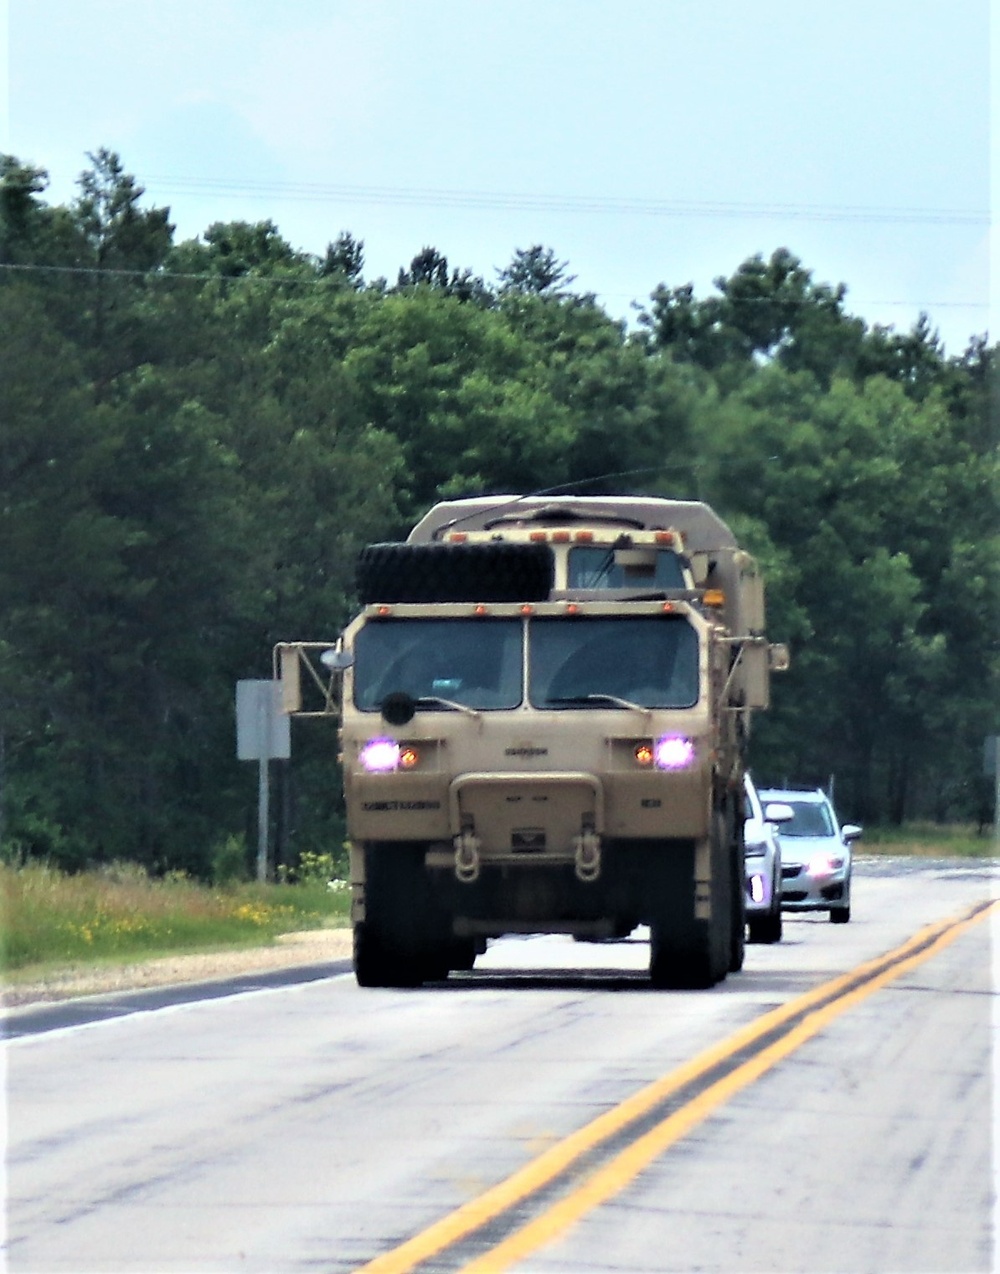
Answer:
(427, 701)
(398, 707)
(598, 700)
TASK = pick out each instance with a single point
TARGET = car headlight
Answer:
(824, 865)
(755, 848)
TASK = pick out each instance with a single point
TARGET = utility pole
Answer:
(991, 768)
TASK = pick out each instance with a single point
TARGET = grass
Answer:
(119, 914)
(930, 840)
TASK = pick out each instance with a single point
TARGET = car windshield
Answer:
(810, 819)
(751, 804)
(474, 662)
(592, 567)
(594, 661)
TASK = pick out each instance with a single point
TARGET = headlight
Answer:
(755, 849)
(824, 865)
(380, 756)
(674, 752)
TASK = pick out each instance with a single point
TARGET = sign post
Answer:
(991, 768)
(263, 733)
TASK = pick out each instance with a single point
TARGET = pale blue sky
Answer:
(644, 141)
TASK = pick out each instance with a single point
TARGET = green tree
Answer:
(345, 259)
(854, 487)
(237, 249)
(535, 271)
(21, 209)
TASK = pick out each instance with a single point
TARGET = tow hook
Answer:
(587, 858)
(467, 856)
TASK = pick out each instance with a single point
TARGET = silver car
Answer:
(815, 854)
(762, 864)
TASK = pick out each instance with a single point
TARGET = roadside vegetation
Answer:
(198, 437)
(930, 840)
(118, 913)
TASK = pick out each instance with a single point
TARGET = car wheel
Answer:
(768, 928)
(765, 928)
(840, 915)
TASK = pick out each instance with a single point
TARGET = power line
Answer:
(512, 202)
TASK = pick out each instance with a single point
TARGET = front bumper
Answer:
(802, 890)
(759, 886)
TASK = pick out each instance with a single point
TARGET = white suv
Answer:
(815, 854)
(762, 865)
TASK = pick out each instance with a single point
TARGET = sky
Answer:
(644, 142)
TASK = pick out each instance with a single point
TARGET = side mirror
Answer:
(850, 831)
(337, 659)
(776, 812)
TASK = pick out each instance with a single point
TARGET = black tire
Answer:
(840, 915)
(766, 928)
(454, 573)
(462, 954)
(737, 952)
(686, 953)
(377, 963)
(681, 962)
(399, 943)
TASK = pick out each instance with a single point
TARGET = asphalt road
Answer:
(548, 1112)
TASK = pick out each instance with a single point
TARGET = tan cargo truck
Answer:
(543, 708)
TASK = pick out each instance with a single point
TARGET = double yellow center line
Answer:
(588, 1167)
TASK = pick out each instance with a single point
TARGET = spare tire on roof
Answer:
(495, 572)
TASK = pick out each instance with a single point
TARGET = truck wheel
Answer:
(462, 954)
(394, 945)
(454, 573)
(686, 953)
(680, 963)
(377, 964)
(738, 901)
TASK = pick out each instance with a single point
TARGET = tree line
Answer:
(197, 437)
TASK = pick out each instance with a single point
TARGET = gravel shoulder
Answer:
(313, 947)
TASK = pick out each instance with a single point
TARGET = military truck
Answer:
(543, 711)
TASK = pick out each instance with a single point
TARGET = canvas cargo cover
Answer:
(702, 528)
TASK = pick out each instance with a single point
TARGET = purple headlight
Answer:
(673, 752)
(379, 756)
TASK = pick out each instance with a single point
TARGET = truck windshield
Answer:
(475, 662)
(591, 661)
(590, 567)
